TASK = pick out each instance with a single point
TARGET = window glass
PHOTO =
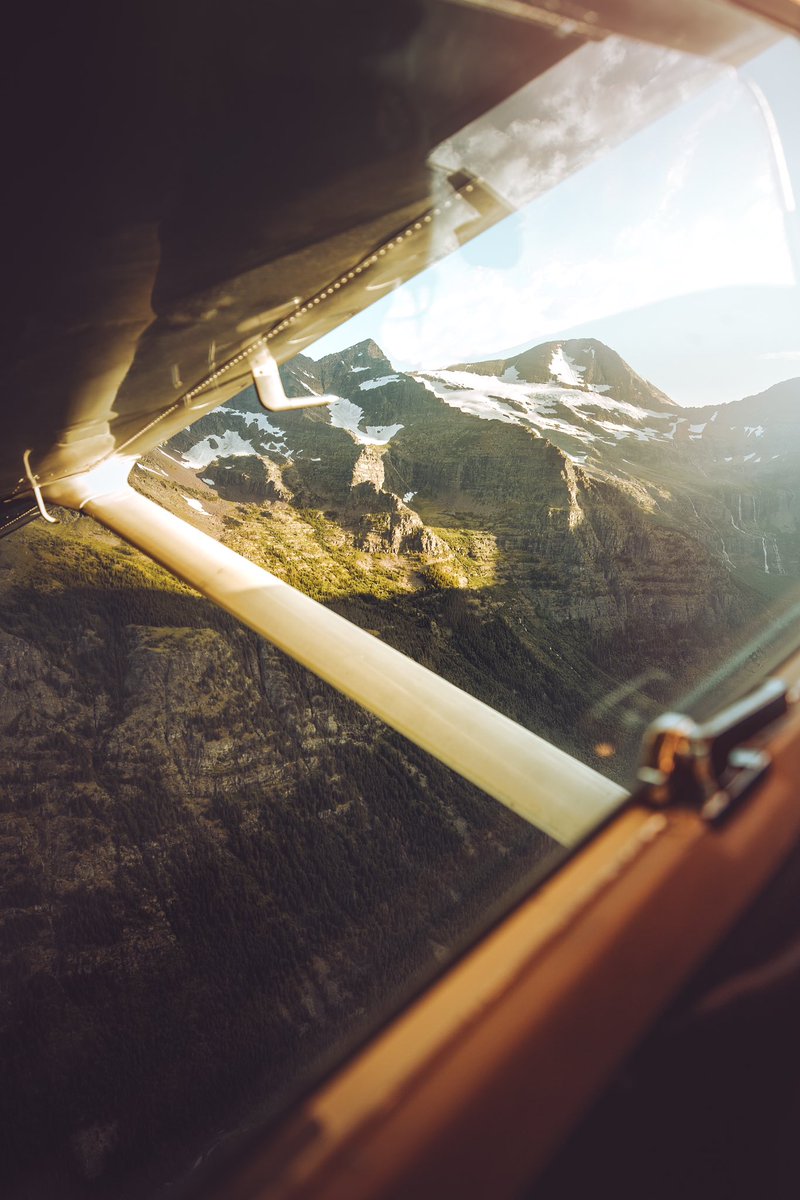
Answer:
(623, 353)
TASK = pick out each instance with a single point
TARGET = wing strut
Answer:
(535, 779)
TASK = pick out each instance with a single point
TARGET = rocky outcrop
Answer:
(369, 469)
(247, 479)
(384, 522)
(582, 547)
(399, 530)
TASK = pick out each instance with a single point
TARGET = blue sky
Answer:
(671, 247)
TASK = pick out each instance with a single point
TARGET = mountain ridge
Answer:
(698, 468)
(579, 362)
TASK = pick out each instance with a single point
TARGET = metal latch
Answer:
(706, 766)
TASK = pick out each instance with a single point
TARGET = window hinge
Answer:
(706, 766)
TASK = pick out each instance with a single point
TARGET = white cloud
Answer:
(482, 310)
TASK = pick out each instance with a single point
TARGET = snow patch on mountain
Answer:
(565, 369)
(535, 405)
(541, 396)
(256, 418)
(196, 505)
(368, 384)
(226, 445)
(471, 401)
(618, 431)
(346, 415)
(379, 435)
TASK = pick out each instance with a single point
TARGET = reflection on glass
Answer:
(628, 340)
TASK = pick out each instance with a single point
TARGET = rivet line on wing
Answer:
(305, 306)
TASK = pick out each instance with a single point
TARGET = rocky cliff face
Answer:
(214, 870)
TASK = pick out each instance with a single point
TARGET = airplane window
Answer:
(559, 468)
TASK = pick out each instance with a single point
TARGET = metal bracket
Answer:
(269, 387)
(705, 766)
(33, 480)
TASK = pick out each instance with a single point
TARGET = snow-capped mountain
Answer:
(577, 418)
(582, 363)
(724, 474)
(555, 390)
